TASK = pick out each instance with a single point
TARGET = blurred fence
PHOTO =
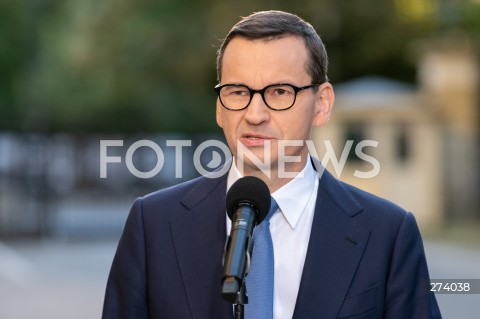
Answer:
(51, 184)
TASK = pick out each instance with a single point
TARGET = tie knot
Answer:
(273, 209)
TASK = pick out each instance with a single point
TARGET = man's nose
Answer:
(257, 111)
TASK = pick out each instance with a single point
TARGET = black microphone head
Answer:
(249, 190)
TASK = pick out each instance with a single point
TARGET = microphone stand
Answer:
(241, 300)
(235, 293)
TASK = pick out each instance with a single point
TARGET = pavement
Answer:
(51, 279)
(54, 279)
(454, 261)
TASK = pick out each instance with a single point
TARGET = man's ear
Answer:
(218, 114)
(323, 104)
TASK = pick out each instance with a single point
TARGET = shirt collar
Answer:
(292, 198)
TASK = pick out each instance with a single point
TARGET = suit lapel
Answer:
(335, 248)
(199, 234)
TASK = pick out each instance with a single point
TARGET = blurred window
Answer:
(354, 131)
(403, 147)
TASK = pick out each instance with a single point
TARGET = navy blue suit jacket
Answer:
(365, 257)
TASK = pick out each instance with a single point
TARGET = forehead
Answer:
(286, 56)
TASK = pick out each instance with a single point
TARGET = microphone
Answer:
(248, 203)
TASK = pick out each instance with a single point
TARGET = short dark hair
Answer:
(270, 25)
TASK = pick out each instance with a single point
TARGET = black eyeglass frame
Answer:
(296, 89)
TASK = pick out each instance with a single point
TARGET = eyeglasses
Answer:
(279, 97)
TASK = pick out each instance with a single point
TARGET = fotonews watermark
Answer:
(215, 168)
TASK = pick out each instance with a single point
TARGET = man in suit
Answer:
(339, 252)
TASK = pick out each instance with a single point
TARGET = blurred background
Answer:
(72, 73)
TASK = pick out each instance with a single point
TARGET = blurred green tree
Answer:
(15, 43)
(144, 65)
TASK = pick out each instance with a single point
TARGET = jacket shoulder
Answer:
(370, 208)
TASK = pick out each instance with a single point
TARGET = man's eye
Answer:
(235, 92)
(239, 92)
(280, 92)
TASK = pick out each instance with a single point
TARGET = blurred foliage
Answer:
(144, 65)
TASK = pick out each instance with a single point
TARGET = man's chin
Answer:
(247, 166)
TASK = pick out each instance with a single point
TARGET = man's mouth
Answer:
(254, 139)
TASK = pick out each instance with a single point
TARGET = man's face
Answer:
(256, 64)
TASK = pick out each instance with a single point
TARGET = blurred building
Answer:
(428, 135)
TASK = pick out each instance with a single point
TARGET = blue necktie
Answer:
(259, 280)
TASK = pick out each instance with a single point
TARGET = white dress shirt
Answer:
(290, 227)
